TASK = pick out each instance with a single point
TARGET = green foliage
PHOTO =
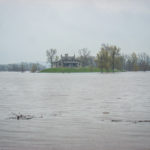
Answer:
(108, 58)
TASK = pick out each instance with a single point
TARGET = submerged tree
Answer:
(103, 60)
(134, 62)
(144, 61)
(115, 56)
(109, 57)
(34, 68)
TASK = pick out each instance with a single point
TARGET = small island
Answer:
(68, 64)
(108, 59)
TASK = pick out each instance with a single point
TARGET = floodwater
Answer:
(75, 111)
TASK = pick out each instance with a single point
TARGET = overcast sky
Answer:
(29, 27)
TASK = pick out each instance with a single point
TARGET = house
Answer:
(66, 61)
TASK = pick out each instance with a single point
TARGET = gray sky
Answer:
(29, 27)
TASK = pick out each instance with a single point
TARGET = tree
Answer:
(103, 60)
(84, 57)
(108, 56)
(120, 62)
(56, 58)
(134, 62)
(144, 61)
(113, 53)
(22, 67)
(51, 55)
(34, 68)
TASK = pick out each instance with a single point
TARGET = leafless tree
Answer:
(51, 56)
(144, 61)
(84, 57)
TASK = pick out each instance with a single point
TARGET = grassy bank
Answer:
(70, 70)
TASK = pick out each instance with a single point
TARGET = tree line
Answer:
(108, 58)
(22, 67)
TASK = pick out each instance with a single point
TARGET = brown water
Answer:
(77, 111)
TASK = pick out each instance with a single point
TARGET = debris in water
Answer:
(140, 121)
(105, 112)
(116, 120)
(132, 121)
(23, 117)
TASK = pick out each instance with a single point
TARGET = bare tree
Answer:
(51, 56)
(84, 55)
(144, 61)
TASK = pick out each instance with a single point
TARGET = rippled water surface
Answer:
(79, 111)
